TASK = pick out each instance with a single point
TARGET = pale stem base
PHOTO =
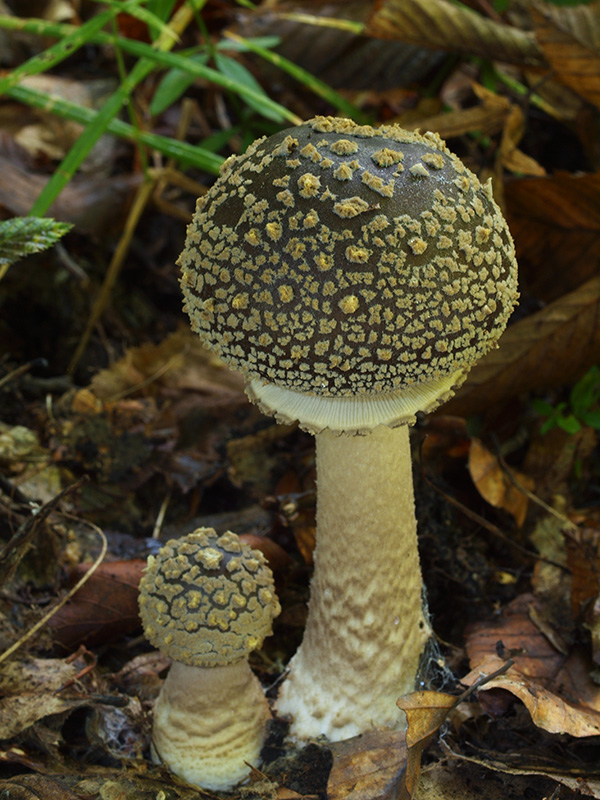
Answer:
(366, 629)
(208, 722)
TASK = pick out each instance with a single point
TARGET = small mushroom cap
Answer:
(207, 599)
(343, 262)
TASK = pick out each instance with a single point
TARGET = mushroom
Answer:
(353, 275)
(207, 601)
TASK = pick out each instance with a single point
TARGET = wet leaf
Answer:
(551, 348)
(570, 39)
(494, 484)
(443, 25)
(556, 690)
(105, 608)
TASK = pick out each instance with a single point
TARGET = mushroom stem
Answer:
(366, 624)
(209, 723)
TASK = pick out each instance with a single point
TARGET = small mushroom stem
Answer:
(209, 723)
(366, 628)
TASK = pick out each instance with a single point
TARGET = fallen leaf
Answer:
(509, 155)
(36, 787)
(494, 484)
(177, 363)
(555, 221)
(556, 690)
(551, 348)
(488, 117)
(31, 692)
(442, 25)
(93, 205)
(339, 57)
(104, 609)
(570, 39)
(425, 712)
(367, 767)
(458, 779)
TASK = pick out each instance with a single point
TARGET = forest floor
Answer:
(118, 431)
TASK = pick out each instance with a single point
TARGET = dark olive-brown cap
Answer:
(341, 261)
(207, 599)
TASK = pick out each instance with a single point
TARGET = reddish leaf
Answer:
(557, 691)
(555, 222)
(105, 608)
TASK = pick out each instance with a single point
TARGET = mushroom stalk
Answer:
(209, 723)
(366, 624)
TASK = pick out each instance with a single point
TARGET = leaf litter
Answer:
(156, 435)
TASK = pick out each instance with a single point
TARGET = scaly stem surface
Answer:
(210, 723)
(366, 629)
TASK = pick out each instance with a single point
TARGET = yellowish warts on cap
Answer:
(379, 238)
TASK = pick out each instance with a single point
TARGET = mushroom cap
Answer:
(207, 599)
(343, 263)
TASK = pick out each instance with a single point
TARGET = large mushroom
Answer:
(207, 601)
(353, 275)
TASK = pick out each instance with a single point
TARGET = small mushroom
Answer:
(353, 275)
(208, 601)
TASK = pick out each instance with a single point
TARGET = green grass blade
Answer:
(56, 53)
(170, 60)
(306, 78)
(156, 25)
(182, 152)
(104, 116)
(173, 84)
(237, 72)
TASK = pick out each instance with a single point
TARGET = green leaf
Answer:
(161, 8)
(591, 419)
(586, 392)
(237, 72)
(543, 408)
(22, 236)
(569, 424)
(173, 85)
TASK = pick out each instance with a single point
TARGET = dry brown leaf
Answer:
(30, 692)
(557, 691)
(442, 25)
(36, 787)
(489, 117)
(555, 222)
(570, 39)
(339, 57)
(366, 767)
(179, 361)
(425, 712)
(464, 780)
(509, 154)
(550, 348)
(493, 483)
